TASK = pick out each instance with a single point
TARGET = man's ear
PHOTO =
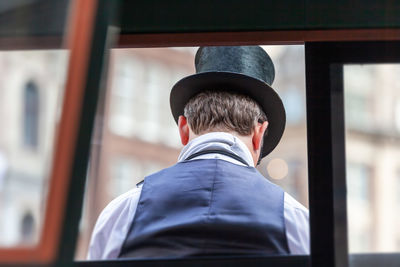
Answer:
(183, 130)
(258, 135)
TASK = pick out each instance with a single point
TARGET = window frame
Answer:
(82, 91)
(78, 42)
(326, 147)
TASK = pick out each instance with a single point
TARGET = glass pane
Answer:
(372, 113)
(31, 92)
(140, 136)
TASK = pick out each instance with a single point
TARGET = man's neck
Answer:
(246, 140)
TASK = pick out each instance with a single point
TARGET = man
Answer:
(213, 201)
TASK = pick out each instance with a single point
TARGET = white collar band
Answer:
(217, 141)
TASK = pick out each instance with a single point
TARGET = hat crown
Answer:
(252, 61)
(246, 70)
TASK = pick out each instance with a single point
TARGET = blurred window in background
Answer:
(372, 112)
(31, 115)
(398, 190)
(359, 102)
(359, 187)
(123, 169)
(27, 228)
(140, 136)
(397, 114)
(359, 196)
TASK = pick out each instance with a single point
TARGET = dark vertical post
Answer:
(105, 13)
(326, 157)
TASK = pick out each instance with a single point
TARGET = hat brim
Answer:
(261, 92)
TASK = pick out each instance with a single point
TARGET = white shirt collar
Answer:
(217, 140)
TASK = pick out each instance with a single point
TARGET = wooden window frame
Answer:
(80, 28)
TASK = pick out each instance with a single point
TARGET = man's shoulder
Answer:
(112, 225)
(158, 173)
(117, 205)
(291, 203)
(125, 197)
(297, 226)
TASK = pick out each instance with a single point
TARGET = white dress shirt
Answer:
(113, 224)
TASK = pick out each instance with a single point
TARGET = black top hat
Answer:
(246, 70)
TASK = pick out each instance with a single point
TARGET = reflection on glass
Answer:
(139, 135)
(372, 95)
(31, 89)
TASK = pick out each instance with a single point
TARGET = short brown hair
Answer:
(223, 111)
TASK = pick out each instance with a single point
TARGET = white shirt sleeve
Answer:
(113, 225)
(297, 226)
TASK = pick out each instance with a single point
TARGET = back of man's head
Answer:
(211, 111)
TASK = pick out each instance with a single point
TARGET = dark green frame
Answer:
(206, 16)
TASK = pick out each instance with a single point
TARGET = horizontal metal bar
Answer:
(281, 261)
(376, 259)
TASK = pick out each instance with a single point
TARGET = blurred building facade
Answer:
(372, 111)
(31, 86)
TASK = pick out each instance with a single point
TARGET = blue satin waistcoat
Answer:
(207, 207)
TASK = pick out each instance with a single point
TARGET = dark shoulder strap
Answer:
(140, 183)
(217, 151)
